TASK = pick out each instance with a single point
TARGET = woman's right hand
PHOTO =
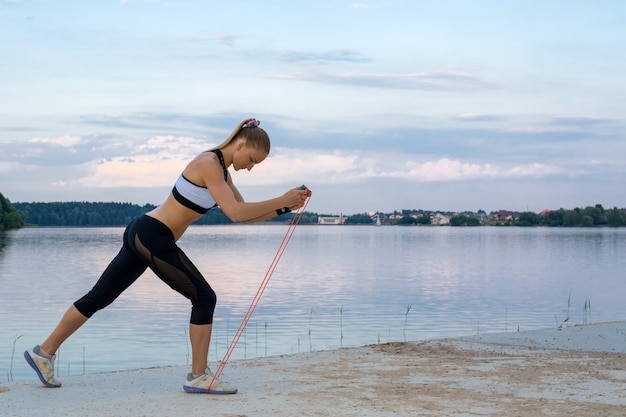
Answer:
(295, 198)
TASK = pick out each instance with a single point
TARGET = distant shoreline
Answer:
(111, 214)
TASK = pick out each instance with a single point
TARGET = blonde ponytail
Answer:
(249, 130)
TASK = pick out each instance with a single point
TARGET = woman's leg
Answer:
(71, 321)
(189, 282)
(177, 271)
(200, 337)
(125, 268)
(199, 381)
(154, 243)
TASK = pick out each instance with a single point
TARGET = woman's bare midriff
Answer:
(175, 216)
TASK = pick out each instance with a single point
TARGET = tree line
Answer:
(10, 217)
(589, 216)
(82, 213)
(578, 217)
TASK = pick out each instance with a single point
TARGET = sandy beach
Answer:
(576, 371)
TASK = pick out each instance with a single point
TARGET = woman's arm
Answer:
(240, 211)
(261, 218)
(280, 211)
(236, 192)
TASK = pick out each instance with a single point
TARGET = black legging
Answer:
(149, 243)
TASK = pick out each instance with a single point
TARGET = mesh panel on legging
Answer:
(174, 268)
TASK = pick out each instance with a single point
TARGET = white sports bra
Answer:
(196, 197)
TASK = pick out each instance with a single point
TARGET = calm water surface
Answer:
(334, 286)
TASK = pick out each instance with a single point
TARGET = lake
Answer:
(335, 286)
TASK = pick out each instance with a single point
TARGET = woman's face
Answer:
(247, 157)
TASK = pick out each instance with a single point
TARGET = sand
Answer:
(576, 371)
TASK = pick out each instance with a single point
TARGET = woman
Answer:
(150, 242)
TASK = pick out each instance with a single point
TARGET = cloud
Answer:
(338, 55)
(431, 81)
(63, 141)
(446, 170)
(94, 161)
(344, 167)
(142, 171)
(478, 117)
(535, 170)
(66, 150)
(161, 122)
(578, 121)
(573, 126)
(224, 39)
(366, 6)
(286, 163)
(155, 163)
(175, 147)
(113, 122)
(10, 166)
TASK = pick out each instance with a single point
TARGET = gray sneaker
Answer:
(206, 384)
(43, 366)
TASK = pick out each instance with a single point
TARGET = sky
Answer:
(375, 106)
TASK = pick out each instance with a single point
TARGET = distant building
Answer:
(438, 218)
(331, 219)
(505, 215)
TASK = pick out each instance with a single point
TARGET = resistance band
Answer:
(255, 301)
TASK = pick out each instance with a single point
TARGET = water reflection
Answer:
(5, 240)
